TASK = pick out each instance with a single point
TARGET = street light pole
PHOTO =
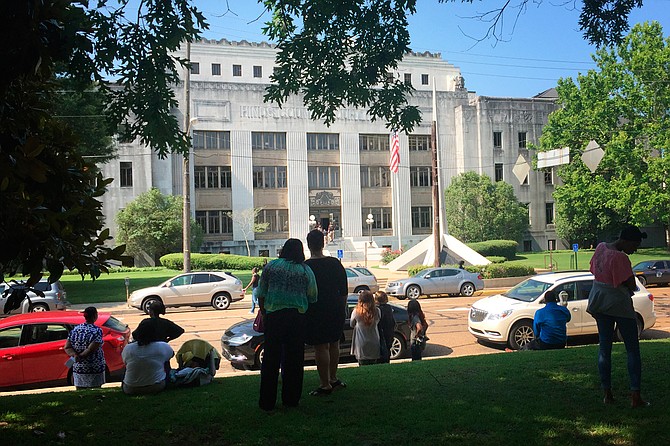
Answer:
(186, 186)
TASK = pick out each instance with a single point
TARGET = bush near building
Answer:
(389, 255)
(208, 262)
(501, 248)
(491, 271)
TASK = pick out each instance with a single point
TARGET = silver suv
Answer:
(55, 297)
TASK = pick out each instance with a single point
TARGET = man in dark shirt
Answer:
(549, 325)
(164, 330)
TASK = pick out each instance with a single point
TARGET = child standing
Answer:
(418, 327)
(364, 320)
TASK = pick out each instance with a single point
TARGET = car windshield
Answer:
(528, 290)
(115, 324)
(421, 273)
(363, 271)
(642, 266)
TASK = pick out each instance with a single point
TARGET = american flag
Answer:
(395, 152)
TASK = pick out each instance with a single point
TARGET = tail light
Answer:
(479, 276)
(651, 297)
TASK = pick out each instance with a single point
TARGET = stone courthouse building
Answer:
(249, 154)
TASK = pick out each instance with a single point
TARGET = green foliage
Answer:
(502, 248)
(621, 106)
(49, 194)
(388, 255)
(477, 209)
(204, 262)
(153, 224)
(416, 269)
(506, 269)
(496, 259)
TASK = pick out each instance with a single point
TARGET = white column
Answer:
(298, 190)
(350, 180)
(241, 168)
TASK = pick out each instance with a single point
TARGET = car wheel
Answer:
(413, 292)
(467, 289)
(147, 303)
(643, 280)
(521, 334)
(221, 301)
(639, 330)
(259, 356)
(38, 308)
(399, 346)
(361, 289)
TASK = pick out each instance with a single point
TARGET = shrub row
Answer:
(491, 271)
(205, 262)
(502, 248)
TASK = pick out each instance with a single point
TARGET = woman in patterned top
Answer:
(286, 289)
(84, 344)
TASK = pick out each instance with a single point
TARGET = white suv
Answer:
(507, 318)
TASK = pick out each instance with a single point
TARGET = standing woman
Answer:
(325, 318)
(286, 289)
(610, 304)
(364, 320)
(253, 283)
(84, 344)
(418, 327)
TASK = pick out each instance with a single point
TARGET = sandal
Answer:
(319, 391)
(338, 385)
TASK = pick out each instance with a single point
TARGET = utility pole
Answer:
(437, 242)
(186, 186)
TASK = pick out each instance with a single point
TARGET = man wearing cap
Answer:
(84, 345)
(611, 305)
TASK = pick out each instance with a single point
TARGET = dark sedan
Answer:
(243, 346)
(653, 272)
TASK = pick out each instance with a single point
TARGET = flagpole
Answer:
(437, 237)
(396, 197)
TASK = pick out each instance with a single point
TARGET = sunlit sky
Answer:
(543, 45)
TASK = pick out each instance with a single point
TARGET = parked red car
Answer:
(31, 348)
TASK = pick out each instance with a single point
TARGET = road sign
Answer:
(575, 247)
(340, 253)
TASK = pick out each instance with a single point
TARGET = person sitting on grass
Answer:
(549, 325)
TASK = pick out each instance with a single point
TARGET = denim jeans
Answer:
(254, 299)
(628, 329)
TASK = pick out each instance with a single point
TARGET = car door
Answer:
(11, 359)
(43, 354)
(179, 291)
(431, 283)
(451, 281)
(201, 288)
(659, 273)
(347, 333)
(576, 306)
(588, 324)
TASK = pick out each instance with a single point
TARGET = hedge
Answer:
(491, 271)
(501, 248)
(208, 262)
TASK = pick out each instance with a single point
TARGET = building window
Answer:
(323, 141)
(527, 206)
(497, 140)
(420, 176)
(422, 217)
(377, 143)
(390, 77)
(418, 143)
(408, 78)
(522, 140)
(525, 181)
(323, 177)
(277, 219)
(527, 246)
(212, 177)
(215, 222)
(375, 176)
(268, 141)
(424, 79)
(548, 176)
(258, 71)
(211, 140)
(195, 68)
(216, 69)
(383, 218)
(126, 175)
(549, 212)
(237, 70)
(498, 172)
(269, 177)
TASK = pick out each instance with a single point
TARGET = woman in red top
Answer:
(610, 304)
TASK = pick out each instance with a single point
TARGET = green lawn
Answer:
(564, 260)
(525, 398)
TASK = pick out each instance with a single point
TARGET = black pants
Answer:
(285, 347)
(536, 344)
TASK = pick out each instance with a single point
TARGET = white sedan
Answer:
(508, 318)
